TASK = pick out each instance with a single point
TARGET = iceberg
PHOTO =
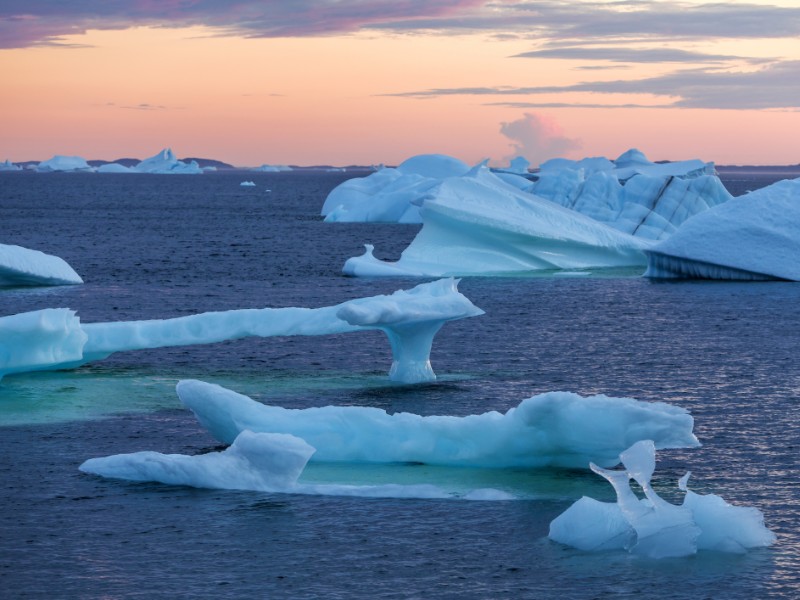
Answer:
(632, 194)
(165, 163)
(114, 168)
(752, 237)
(389, 195)
(23, 266)
(7, 165)
(272, 168)
(55, 338)
(248, 184)
(263, 462)
(556, 429)
(67, 164)
(479, 225)
(652, 527)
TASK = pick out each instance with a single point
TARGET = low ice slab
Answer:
(66, 164)
(23, 266)
(752, 237)
(263, 462)
(653, 527)
(409, 318)
(557, 429)
(479, 225)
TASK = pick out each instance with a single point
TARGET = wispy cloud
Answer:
(632, 55)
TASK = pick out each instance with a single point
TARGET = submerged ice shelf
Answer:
(52, 339)
(556, 429)
(23, 266)
(652, 527)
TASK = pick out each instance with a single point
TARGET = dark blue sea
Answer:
(152, 247)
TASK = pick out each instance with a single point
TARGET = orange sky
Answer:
(366, 97)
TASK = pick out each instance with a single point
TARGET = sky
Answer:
(343, 82)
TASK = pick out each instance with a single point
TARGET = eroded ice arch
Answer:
(52, 339)
(556, 429)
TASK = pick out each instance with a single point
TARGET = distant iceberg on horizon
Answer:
(7, 165)
(265, 168)
(165, 163)
(26, 267)
(64, 164)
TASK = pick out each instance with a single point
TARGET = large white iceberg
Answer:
(264, 462)
(114, 168)
(752, 237)
(478, 224)
(7, 165)
(68, 164)
(632, 194)
(389, 195)
(55, 338)
(556, 429)
(23, 266)
(653, 527)
(165, 163)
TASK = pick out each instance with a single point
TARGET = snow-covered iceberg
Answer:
(7, 165)
(389, 195)
(653, 527)
(165, 163)
(751, 237)
(556, 429)
(55, 338)
(478, 224)
(23, 266)
(67, 164)
(114, 168)
(264, 462)
(632, 194)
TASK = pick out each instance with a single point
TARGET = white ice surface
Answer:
(248, 184)
(751, 237)
(477, 225)
(389, 195)
(64, 163)
(7, 165)
(409, 318)
(165, 163)
(114, 168)
(264, 462)
(651, 526)
(23, 266)
(556, 429)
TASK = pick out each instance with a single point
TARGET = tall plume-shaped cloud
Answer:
(537, 138)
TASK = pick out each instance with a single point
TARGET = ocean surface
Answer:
(151, 247)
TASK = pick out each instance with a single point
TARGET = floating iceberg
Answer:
(479, 225)
(557, 429)
(22, 266)
(632, 194)
(54, 338)
(68, 164)
(389, 195)
(751, 237)
(248, 184)
(272, 168)
(114, 168)
(655, 528)
(264, 462)
(165, 163)
(7, 165)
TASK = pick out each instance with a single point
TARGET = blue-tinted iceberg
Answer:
(264, 462)
(752, 237)
(165, 163)
(651, 526)
(389, 195)
(56, 339)
(114, 168)
(478, 224)
(632, 194)
(7, 165)
(557, 429)
(66, 164)
(23, 266)
(272, 168)
(248, 184)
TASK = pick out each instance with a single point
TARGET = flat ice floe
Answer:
(54, 338)
(556, 429)
(23, 266)
(752, 237)
(478, 224)
(651, 526)
(264, 462)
